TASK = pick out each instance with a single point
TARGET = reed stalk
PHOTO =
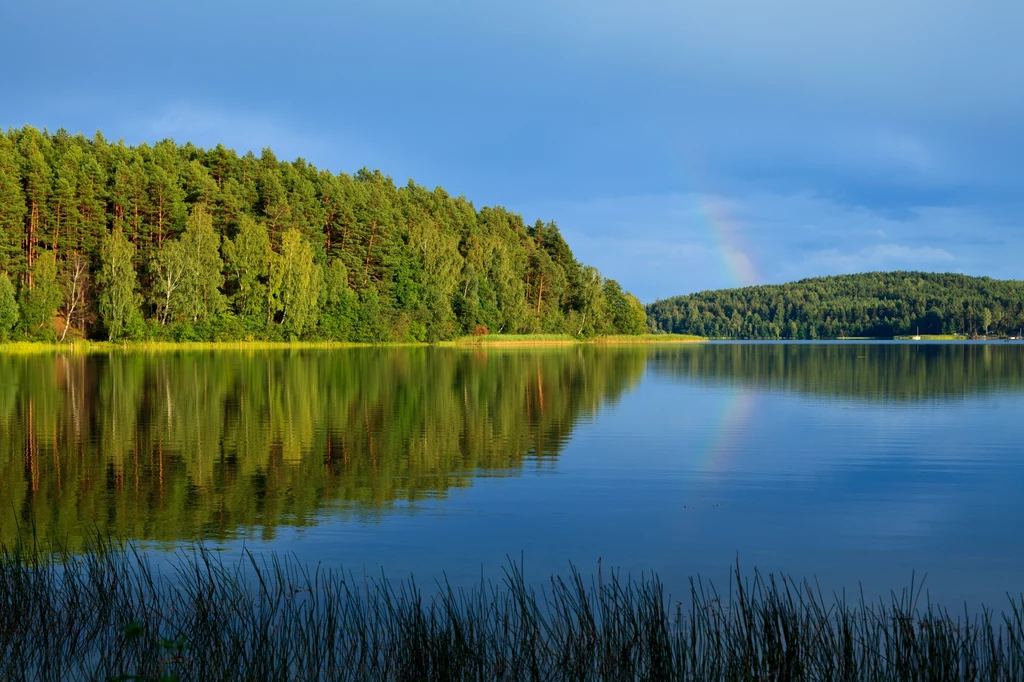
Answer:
(119, 613)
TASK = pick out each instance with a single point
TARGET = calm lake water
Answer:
(855, 463)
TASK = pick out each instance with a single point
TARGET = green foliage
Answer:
(40, 298)
(203, 277)
(875, 304)
(593, 305)
(9, 313)
(230, 247)
(370, 326)
(248, 260)
(169, 267)
(119, 296)
(341, 304)
(300, 281)
(627, 313)
(12, 207)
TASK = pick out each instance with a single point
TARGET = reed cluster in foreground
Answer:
(112, 614)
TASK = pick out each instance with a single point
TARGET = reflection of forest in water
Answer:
(169, 446)
(877, 372)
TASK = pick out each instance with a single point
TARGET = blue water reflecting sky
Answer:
(687, 473)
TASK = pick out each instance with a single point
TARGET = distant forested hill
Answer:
(877, 304)
(104, 240)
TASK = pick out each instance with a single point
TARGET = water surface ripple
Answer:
(856, 463)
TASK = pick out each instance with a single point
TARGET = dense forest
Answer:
(874, 304)
(181, 445)
(103, 240)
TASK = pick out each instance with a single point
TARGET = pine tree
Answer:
(35, 174)
(64, 208)
(12, 210)
(92, 198)
(167, 197)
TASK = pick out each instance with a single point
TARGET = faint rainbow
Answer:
(726, 431)
(727, 240)
(715, 217)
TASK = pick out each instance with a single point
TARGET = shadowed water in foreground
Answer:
(108, 614)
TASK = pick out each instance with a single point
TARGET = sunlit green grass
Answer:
(512, 339)
(36, 347)
(648, 338)
(933, 337)
(567, 339)
(110, 614)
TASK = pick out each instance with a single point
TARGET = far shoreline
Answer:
(465, 342)
(474, 342)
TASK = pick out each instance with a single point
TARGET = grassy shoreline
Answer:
(496, 340)
(933, 337)
(108, 614)
(40, 347)
(489, 341)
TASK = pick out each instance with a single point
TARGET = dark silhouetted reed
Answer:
(115, 614)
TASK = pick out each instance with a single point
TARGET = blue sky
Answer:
(679, 145)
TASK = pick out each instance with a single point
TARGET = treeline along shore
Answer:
(101, 240)
(873, 305)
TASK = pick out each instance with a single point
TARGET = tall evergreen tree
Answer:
(35, 173)
(64, 207)
(12, 210)
(167, 209)
(92, 204)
